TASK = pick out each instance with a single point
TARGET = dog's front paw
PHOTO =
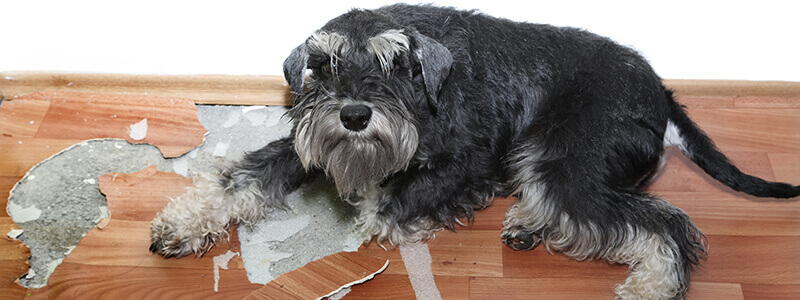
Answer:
(167, 241)
(520, 239)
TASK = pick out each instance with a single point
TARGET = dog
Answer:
(420, 115)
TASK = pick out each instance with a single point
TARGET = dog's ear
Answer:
(294, 69)
(435, 60)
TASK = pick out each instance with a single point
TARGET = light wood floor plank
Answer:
(6, 184)
(751, 130)
(724, 213)
(681, 174)
(461, 253)
(538, 263)
(396, 286)
(771, 291)
(80, 281)
(321, 277)
(22, 118)
(705, 290)
(13, 262)
(19, 155)
(140, 196)
(751, 260)
(540, 288)
(84, 116)
(786, 166)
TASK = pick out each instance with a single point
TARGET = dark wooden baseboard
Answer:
(272, 90)
(204, 89)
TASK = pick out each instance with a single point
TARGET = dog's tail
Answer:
(684, 133)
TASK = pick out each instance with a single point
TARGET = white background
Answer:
(751, 40)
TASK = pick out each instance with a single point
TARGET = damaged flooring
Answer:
(753, 244)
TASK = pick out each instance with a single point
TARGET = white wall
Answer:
(753, 40)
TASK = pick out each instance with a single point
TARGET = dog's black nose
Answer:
(355, 117)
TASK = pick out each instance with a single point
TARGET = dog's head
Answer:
(356, 112)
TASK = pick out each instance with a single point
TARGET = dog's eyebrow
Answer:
(330, 43)
(387, 45)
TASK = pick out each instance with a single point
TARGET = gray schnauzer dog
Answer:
(420, 115)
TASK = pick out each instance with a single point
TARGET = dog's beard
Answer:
(356, 161)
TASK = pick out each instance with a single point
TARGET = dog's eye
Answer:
(399, 63)
(328, 68)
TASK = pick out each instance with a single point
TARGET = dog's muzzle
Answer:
(355, 117)
(356, 144)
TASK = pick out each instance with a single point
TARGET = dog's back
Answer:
(548, 71)
(533, 80)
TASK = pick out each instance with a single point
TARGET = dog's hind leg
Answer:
(576, 177)
(658, 240)
(241, 193)
(661, 245)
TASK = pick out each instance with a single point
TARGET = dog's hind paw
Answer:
(521, 240)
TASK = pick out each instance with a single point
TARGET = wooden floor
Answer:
(754, 244)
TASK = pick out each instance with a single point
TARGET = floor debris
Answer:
(138, 131)
(417, 259)
(259, 243)
(22, 214)
(14, 233)
(220, 149)
(103, 223)
(324, 277)
(314, 227)
(221, 262)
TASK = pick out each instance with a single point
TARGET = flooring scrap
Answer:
(323, 277)
(417, 259)
(221, 262)
(115, 262)
(171, 124)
